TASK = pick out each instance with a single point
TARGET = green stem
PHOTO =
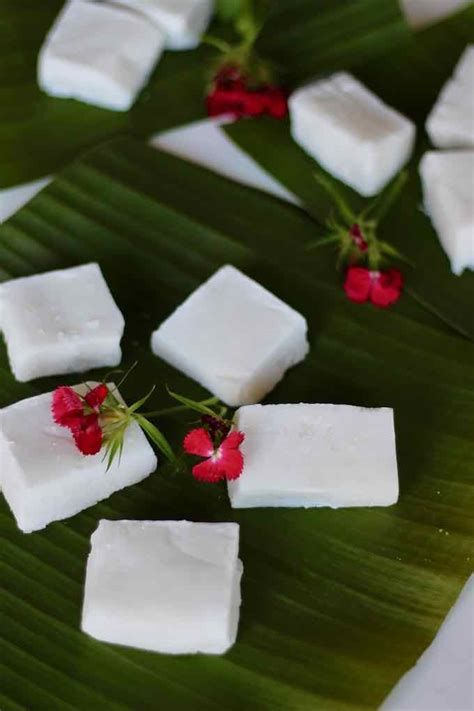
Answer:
(344, 208)
(176, 408)
(379, 207)
(323, 242)
(217, 43)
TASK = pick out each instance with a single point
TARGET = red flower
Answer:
(386, 287)
(254, 102)
(358, 238)
(230, 94)
(96, 396)
(382, 288)
(224, 462)
(226, 101)
(216, 426)
(69, 410)
(88, 435)
(275, 101)
(67, 406)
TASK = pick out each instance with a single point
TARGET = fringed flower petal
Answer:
(67, 407)
(96, 396)
(198, 442)
(88, 435)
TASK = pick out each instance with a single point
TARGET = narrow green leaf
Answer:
(323, 242)
(156, 436)
(337, 197)
(196, 405)
(127, 373)
(139, 403)
(379, 207)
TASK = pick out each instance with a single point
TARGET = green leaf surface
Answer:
(156, 436)
(410, 86)
(40, 134)
(337, 604)
(307, 37)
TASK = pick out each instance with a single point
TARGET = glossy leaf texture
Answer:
(40, 134)
(410, 80)
(337, 604)
(307, 37)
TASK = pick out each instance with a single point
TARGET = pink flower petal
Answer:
(386, 288)
(209, 470)
(358, 284)
(88, 435)
(198, 442)
(276, 102)
(67, 406)
(232, 463)
(232, 441)
(97, 395)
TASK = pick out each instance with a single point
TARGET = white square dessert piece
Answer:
(351, 132)
(45, 478)
(183, 21)
(316, 455)
(451, 121)
(448, 194)
(64, 321)
(233, 336)
(166, 586)
(100, 54)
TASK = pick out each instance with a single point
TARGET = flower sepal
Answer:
(365, 258)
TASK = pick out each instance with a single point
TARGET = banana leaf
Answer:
(410, 80)
(337, 604)
(305, 37)
(40, 134)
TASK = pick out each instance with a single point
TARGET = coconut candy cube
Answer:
(233, 336)
(183, 21)
(166, 586)
(352, 133)
(451, 121)
(448, 192)
(316, 455)
(100, 54)
(63, 321)
(45, 478)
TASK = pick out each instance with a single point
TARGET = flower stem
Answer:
(216, 42)
(177, 408)
(331, 239)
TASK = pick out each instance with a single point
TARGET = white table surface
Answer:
(442, 680)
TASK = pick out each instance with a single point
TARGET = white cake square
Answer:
(233, 336)
(63, 321)
(451, 121)
(351, 132)
(100, 54)
(166, 586)
(448, 192)
(45, 478)
(183, 21)
(316, 455)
